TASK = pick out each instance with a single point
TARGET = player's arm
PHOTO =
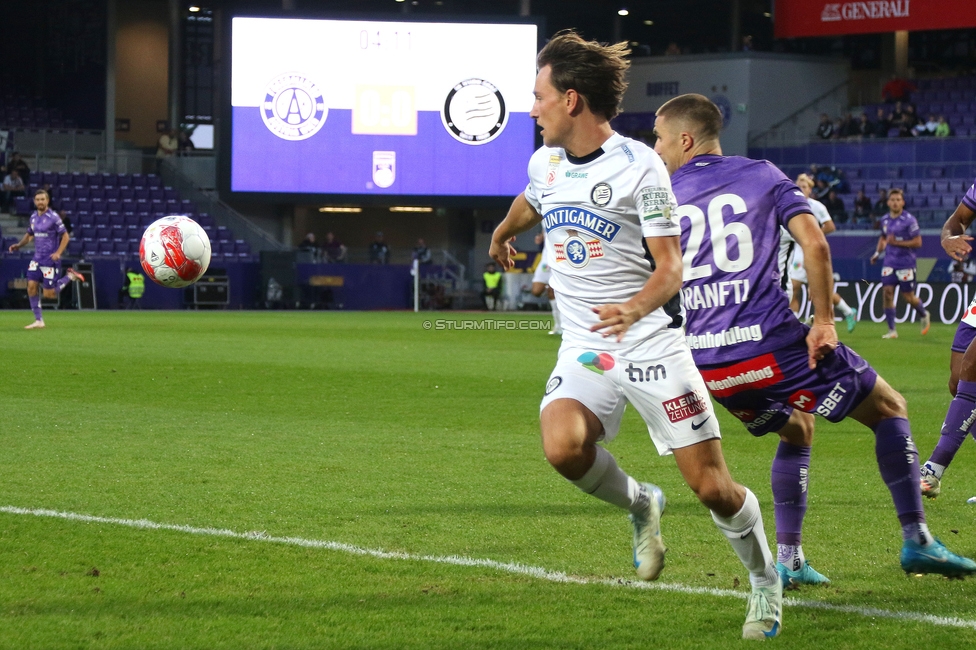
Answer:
(521, 217)
(23, 242)
(822, 338)
(65, 238)
(664, 283)
(955, 241)
(828, 226)
(914, 242)
(882, 244)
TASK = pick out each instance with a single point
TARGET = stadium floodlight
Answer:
(339, 208)
(648, 22)
(194, 8)
(410, 208)
(623, 12)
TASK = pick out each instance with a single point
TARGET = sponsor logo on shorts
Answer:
(752, 374)
(685, 406)
(758, 420)
(832, 401)
(553, 384)
(803, 400)
(598, 363)
(640, 375)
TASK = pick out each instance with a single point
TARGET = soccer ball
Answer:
(175, 251)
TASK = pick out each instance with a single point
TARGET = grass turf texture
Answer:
(369, 430)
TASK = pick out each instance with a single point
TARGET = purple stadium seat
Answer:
(153, 181)
(935, 172)
(94, 180)
(173, 207)
(223, 234)
(68, 204)
(157, 194)
(22, 205)
(96, 193)
(75, 248)
(49, 178)
(170, 194)
(116, 220)
(127, 194)
(112, 193)
(103, 232)
(133, 246)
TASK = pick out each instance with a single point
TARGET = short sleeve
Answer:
(537, 174)
(913, 229)
(60, 224)
(969, 200)
(655, 202)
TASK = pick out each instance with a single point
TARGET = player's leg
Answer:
(846, 311)
(888, 297)
(795, 297)
(735, 510)
(557, 321)
(924, 318)
(537, 289)
(34, 297)
(789, 477)
(958, 421)
(885, 412)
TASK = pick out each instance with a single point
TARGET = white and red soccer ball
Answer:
(175, 251)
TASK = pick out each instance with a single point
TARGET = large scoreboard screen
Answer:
(373, 108)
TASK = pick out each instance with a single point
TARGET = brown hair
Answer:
(704, 117)
(41, 190)
(594, 70)
(897, 191)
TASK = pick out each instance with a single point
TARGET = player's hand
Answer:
(503, 253)
(874, 258)
(957, 246)
(821, 341)
(55, 256)
(13, 248)
(615, 320)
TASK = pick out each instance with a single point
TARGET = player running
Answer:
(540, 283)
(768, 369)
(962, 366)
(898, 241)
(616, 272)
(798, 273)
(50, 241)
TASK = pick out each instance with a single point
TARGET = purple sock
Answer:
(62, 283)
(958, 422)
(791, 466)
(35, 303)
(898, 462)
(890, 318)
(920, 310)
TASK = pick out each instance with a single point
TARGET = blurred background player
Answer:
(491, 295)
(898, 241)
(798, 273)
(50, 241)
(540, 282)
(962, 365)
(633, 262)
(768, 369)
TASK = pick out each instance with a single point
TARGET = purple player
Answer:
(962, 367)
(898, 241)
(50, 240)
(768, 369)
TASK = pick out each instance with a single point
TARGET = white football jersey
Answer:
(596, 212)
(787, 244)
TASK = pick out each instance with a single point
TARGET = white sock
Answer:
(607, 482)
(934, 468)
(844, 308)
(791, 556)
(745, 532)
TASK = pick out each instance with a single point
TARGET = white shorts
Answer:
(542, 273)
(798, 273)
(658, 378)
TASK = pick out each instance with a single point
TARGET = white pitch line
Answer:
(507, 567)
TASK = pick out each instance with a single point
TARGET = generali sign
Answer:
(796, 18)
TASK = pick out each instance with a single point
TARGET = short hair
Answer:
(804, 178)
(596, 71)
(41, 190)
(703, 115)
(897, 191)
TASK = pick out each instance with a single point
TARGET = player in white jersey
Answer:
(797, 271)
(540, 282)
(606, 204)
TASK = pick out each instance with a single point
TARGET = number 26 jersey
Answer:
(730, 210)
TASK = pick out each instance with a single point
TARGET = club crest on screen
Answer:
(293, 107)
(384, 168)
(474, 112)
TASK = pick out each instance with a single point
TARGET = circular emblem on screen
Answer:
(577, 252)
(293, 107)
(474, 112)
(600, 194)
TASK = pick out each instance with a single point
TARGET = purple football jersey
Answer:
(970, 199)
(903, 227)
(731, 209)
(47, 230)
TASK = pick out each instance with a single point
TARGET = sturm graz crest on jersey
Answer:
(293, 107)
(474, 112)
(601, 194)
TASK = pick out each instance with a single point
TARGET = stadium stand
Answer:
(19, 111)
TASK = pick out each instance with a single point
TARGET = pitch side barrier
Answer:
(947, 302)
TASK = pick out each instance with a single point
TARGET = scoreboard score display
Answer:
(371, 108)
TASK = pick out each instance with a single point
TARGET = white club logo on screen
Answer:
(293, 108)
(474, 112)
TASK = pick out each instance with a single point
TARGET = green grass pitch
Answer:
(370, 431)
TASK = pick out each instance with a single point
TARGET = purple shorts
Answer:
(905, 279)
(48, 276)
(762, 392)
(965, 334)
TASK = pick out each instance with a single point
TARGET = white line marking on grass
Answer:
(507, 567)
